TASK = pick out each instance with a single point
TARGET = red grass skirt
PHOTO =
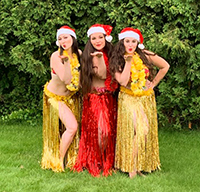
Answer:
(98, 134)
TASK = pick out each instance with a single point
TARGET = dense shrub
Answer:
(170, 28)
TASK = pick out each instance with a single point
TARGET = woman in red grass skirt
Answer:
(98, 132)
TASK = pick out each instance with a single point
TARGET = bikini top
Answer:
(52, 70)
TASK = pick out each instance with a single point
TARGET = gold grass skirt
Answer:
(137, 129)
(53, 129)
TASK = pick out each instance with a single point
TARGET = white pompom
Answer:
(57, 43)
(109, 38)
(141, 46)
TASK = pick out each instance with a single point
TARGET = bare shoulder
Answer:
(156, 59)
(54, 58)
(147, 52)
(150, 55)
(55, 54)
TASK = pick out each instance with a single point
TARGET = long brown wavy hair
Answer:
(87, 73)
(117, 61)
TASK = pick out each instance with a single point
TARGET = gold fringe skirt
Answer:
(53, 129)
(137, 133)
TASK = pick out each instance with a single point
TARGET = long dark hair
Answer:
(74, 48)
(117, 61)
(87, 74)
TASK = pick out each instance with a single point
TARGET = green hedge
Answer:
(28, 30)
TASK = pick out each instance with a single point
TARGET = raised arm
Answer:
(124, 76)
(99, 65)
(163, 68)
(62, 70)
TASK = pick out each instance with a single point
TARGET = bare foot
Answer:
(140, 174)
(132, 174)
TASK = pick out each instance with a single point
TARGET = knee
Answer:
(73, 128)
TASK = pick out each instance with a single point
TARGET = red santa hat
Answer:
(130, 32)
(100, 28)
(65, 30)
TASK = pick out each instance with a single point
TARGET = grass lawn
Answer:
(20, 155)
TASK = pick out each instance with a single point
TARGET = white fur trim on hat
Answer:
(95, 30)
(141, 46)
(65, 31)
(57, 43)
(129, 34)
(109, 38)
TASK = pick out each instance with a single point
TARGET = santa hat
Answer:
(135, 33)
(65, 30)
(100, 28)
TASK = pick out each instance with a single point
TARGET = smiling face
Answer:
(130, 44)
(98, 41)
(65, 41)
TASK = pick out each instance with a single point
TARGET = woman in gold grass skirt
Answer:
(137, 147)
(61, 105)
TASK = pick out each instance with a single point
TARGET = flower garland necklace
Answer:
(74, 65)
(138, 76)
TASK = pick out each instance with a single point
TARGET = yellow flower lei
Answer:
(138, 75)
(74, 65)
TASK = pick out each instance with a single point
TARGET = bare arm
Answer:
(163, 68)
(123, 78)
(80, 52)
(62, 70)
(99, 65)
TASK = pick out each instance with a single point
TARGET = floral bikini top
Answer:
(52, 70)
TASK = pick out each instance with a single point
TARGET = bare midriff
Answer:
(57, 87)
(98, 82)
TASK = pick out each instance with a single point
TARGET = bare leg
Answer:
(69, 120)
(102, 136)
(135, 172)
(146, 130)
(135, 150)
(135, 147)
